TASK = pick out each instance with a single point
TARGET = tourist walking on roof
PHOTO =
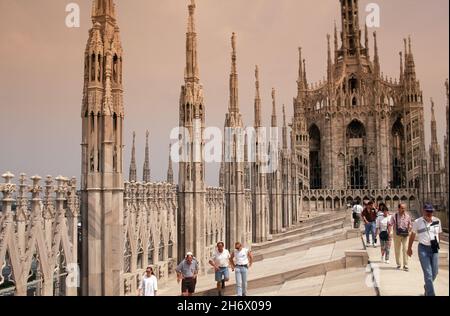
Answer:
(220, 261)
(369, 216)
(241, 260)
(187, 272)
(149, 283)
(357, 210)
(428, 229)
(380, 212)
(384, 232)
(401, 224)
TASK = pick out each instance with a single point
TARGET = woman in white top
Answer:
(384, 232)
(149, 284)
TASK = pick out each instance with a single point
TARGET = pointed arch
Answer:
(356, 155)
(8, 274)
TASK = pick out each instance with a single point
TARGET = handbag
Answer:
(433, 242)
(400, 231)
(384, 235)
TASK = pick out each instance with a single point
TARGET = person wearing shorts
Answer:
(220, 261)
(187, 272)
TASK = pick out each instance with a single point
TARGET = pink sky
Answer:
(41, 67)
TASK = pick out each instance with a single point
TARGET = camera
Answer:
(435, 245)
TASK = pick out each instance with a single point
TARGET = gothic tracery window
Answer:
(115, 68)
(356, 156)
(99, 68)
(353, 82)
(398, 155)
(357, 174)
(315, 158)
(170, 250)
(93, 67)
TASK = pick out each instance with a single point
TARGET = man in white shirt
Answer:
(428, 229)
(220, 260)
(241, 260)
(149, 284)
(357, 210)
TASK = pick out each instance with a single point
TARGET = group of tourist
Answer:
(240, 260)
(380, 223)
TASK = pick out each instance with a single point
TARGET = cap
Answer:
(428, 207)
(189, 254)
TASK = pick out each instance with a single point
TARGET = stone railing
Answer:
(215, 219)
(39, 236)
(325, 200)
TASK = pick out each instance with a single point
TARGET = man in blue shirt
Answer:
(187, 272)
